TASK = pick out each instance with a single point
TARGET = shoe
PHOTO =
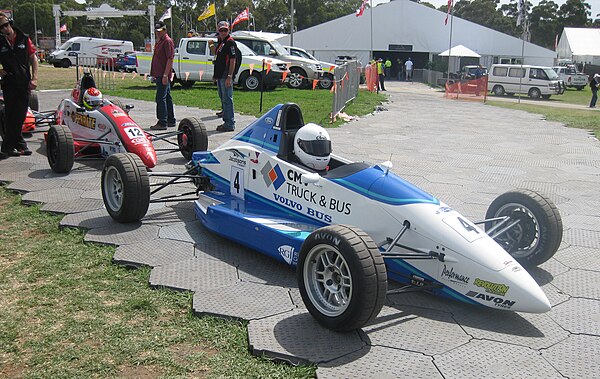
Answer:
(172, 125)
(3, 155)
(222, 128)
(219, 113)
(25, 151)
(13, 153)
(159, 126)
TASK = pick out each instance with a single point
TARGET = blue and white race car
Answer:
(351, 226)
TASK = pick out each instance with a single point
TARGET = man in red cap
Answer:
(160, 70)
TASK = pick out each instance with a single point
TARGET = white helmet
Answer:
(312, 146)
(92, 98)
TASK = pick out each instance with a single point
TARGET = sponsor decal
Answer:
(272, 175)
(300, 208)
(139, 140)
(443, 210)
(237, 157)
(454, 276)
(495, 288)
(497, 301)
(329, 203)
(118, 113)
(255, 160)
(126, 124)
(102, 127)
(268, 120)
(334, 240)
(288, 254)
(83, 120)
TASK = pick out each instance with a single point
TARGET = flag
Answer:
(520, 15)
(450, 3)
(361, 10)
(244, 16)
(208, 12)
(63, 28)
(166, 15)
(555, 42)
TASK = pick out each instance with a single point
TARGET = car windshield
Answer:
(302, 54)
(279, 48)
(552, 75)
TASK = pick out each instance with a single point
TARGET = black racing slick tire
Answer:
(538, 233)
(342, 277)
(191, 137)
(34, 102)
(60, 149)
(125, 187)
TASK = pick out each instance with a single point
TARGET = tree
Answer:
(575, 13)
(545, 24)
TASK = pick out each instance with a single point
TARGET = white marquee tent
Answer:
(406, 26)
(581, 45)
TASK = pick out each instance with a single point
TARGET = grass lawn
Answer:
(66, 311)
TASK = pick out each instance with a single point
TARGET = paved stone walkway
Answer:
(466, 154)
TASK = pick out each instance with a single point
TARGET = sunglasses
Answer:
(4, 25)
(223, 30)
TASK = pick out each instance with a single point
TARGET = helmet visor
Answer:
(317, 148)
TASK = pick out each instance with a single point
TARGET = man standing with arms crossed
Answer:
(224, 67)
(160, 70)
(19, 77)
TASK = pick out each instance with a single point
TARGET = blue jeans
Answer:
(226, 95)
(594, 98)
(164, 103)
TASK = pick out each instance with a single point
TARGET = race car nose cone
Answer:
(530, 297)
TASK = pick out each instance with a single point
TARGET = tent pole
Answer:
(450, 42)
(371, 28)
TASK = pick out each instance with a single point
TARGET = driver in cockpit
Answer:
(312, 147)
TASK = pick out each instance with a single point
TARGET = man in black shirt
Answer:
(223, 74)
(19, 77)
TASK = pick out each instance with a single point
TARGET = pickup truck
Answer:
(327, 81)
(194, 63)
(571, 77)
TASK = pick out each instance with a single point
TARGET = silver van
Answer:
(534, 81)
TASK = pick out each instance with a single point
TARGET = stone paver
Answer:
(465, 153)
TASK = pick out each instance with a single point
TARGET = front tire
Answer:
(60, 149)
(192, 137)
(342, 277)
(65, 63)
(537, 235)
(250, 82)
(498, 91)
(296, 78)
(125, 187)
(187, 83)
(535, 93)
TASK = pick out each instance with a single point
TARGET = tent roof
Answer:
(459, 51)
(583, 41)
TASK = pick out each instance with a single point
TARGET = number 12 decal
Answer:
(236, 183)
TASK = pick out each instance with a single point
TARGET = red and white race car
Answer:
(106, 129)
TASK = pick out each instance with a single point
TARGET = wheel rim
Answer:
(325, 82)
(113, 188)
(252, 82)
(295, 80)
(328, 280)
(524, 237)
(499, 91)
(535, 94)
(186, 139)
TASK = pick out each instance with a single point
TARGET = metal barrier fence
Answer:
(103, 70)
(345, 89)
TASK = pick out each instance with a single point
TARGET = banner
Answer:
(361, 10)
(244, 16)
(450, 3)
(167, 15)
(208, 12)
(63, 28)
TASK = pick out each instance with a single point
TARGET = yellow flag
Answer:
(208, 12)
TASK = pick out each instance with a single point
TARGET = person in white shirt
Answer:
(409, 67)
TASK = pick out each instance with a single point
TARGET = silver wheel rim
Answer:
(326, 82)
(328, 280)
(528, 229)
(252, 82)
(113, 188)
(295, 80)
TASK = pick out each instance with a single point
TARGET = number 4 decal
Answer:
(468, 227)
(236, 183)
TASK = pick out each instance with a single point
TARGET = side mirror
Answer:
(311, 178)
(272, 52)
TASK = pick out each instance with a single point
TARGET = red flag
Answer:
(361, 10)
(450, 2)
(244, 16)
(63, 28)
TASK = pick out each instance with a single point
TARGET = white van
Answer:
(90, 51)
(534, 81)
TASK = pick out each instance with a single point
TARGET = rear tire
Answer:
(326, 82)
(498, 91)
(187, 83)
(192, 137)
(125, 187)
(250, 82)
(342, 277)
(34, 102)
(65, 63)
(538, 234)
(60, 149)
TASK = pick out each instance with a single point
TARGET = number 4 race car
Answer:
(106, 129)
(354, 226)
